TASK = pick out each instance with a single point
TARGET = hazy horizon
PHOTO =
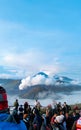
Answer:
(73, 98)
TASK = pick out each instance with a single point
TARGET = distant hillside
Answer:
(44, 91)
(37, 91)
(11, 85)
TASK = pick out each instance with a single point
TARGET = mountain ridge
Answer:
(62, 84)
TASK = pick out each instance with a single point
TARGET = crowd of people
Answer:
(57, 116)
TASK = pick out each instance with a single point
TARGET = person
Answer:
(21, 112)
(69, 120)
(77, 123)
(16, 104)
(26, 108)
(7, 120)
(37, 104)
(37, 121)
(46, 125)
(66, 108)
(3, 100)
(52, 122)
(26, 120)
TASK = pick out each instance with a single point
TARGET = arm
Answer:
(74, 126)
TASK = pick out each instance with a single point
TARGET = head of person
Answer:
(3, 100)
(59, 119)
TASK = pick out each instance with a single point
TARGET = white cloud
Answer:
(52, 69)
(6, 76)
(29, 63)
(23, 60)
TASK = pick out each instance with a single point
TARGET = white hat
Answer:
(60, 118)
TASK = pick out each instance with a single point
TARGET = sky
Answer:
(40, 35)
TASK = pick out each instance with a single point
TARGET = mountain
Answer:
(40, 85)
(42, 78)
(63, 79)
(42, 74)
(44, 91)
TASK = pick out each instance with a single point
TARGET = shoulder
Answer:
(13, 126)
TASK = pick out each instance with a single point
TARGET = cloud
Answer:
(30, 62)
(24, 51)
(52, 68)
(6, 76)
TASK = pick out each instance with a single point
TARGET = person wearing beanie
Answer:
(7, 120)
(3, 100)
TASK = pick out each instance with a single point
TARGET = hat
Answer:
(3, 99)
(60, 118)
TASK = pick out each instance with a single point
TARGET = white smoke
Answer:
(38, 79)
(24, 83)
(49, 81)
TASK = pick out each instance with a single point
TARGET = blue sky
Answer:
(40, 36)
